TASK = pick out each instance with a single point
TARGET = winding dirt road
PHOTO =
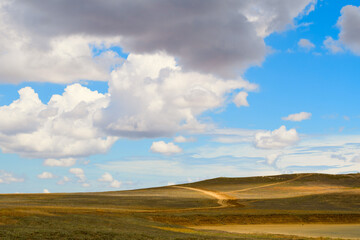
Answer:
(224, 200)
(271, 184)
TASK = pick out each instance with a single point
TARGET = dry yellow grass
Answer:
(347, 231)
(149, 213)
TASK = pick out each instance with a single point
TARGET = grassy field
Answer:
(172, 212)
(350, 231)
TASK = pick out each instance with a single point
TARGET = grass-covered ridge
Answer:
(166, 212)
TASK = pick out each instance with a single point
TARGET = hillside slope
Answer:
(165, 212)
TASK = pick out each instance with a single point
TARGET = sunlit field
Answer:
(221, 208)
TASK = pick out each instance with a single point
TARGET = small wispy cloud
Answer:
(306, 44)
(297, 117)
(333, 46)
(182, 139)
(63, 162)
(46, 175)
(79, 173)
(6, 177)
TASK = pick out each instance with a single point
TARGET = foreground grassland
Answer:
(191, 211)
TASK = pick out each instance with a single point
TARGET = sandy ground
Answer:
(348, 231)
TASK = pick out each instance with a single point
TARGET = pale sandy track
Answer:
(224, 200)
(270, 184)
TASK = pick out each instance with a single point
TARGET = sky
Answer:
(116, 95)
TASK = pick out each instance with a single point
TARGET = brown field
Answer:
(297, 206)
(348, 231)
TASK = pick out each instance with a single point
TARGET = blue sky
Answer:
(122, 106)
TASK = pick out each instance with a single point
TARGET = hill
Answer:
(171, 212)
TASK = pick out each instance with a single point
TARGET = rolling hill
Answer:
(179, 211)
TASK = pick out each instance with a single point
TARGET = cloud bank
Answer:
(150, 93)
(149, 96)
(217, 37)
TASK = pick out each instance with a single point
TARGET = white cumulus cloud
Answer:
(157, 92)
(106, 177)
(279, 138)
(151, 96)
(61, 129)
(165, 148)
(298, 117)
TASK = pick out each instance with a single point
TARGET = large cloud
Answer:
(209, 36)
(62, 128)
(61, 59)
(151, 96)
(349, 36)
(349, 23)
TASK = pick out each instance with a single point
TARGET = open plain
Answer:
(294, 206)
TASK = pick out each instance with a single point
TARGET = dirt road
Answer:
(224, 200)
(270, 184)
